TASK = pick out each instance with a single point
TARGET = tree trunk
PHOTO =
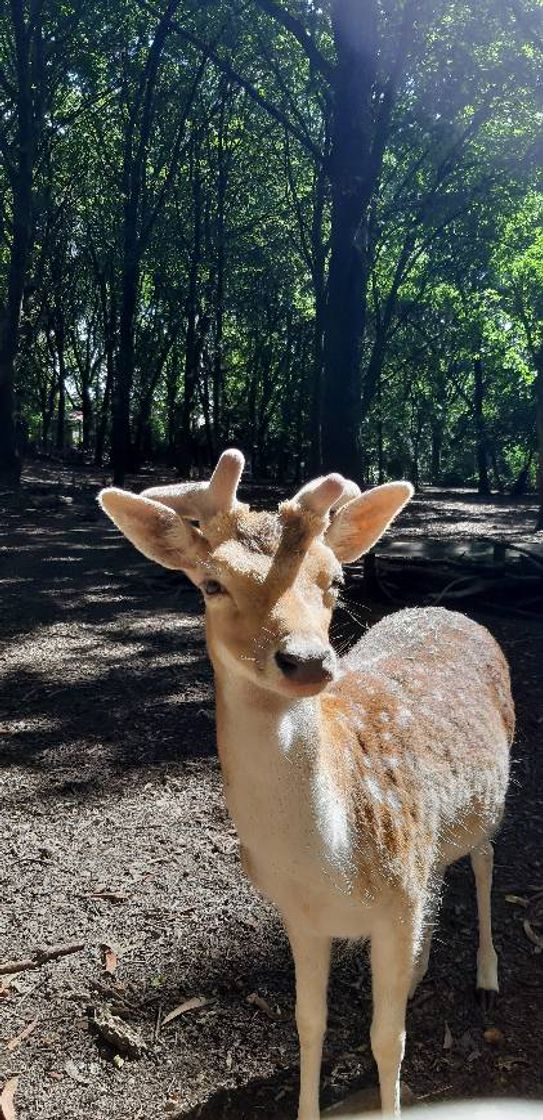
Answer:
(539, 430)
(220, 262)
(136, 230)
(318, 262)
(121, 444)
(21, 178)
(108, 309)
(61, 407)
(192, 348)
(436, 447)
(481, 443)
(60, 337)
(352, 179)
(380, 447)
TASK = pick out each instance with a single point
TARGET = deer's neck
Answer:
(269, 751)
(261, 731)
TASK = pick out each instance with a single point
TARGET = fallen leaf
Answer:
(516, 900)
(493, 1035)
(109, 959)
(447, 1038)
(188, 1005)
(264, 1006)
(7, 1107)
(14, 1043)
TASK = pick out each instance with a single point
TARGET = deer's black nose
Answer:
(307, 668)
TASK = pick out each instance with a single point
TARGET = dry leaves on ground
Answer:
(7, 1106)
(188, 1005)
(109, 896)
(109, 959)
(15, 1042)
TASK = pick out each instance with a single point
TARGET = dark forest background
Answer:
(314, 231)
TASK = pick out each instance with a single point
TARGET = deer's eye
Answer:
(212, 587)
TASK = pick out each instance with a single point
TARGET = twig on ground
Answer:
(158, 1021)
(40, 957)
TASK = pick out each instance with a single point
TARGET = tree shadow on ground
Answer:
(104, 664)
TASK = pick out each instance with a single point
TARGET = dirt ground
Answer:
(114, 833)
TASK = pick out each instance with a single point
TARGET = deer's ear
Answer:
(359, 524)
(155, 529)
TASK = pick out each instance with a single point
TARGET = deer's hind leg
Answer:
(482, 862)
(422, 961)
(430, 922)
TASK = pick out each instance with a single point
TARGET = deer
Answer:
(352, 782)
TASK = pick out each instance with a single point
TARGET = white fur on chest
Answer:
(288, 813)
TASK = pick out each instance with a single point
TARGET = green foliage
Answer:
(222, 154)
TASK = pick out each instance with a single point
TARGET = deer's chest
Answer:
(292, 823)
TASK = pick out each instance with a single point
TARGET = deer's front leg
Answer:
(393, 953)
(312, 964)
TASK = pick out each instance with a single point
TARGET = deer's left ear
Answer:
(359, 524)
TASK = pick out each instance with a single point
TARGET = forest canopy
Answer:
(314, 231)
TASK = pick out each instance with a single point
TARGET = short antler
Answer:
(200, 501)
(326, 494)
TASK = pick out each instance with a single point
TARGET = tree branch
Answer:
(303, 37)
(238, 80)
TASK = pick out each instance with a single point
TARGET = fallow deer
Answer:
(352, 783)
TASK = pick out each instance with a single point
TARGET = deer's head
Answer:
(269, 580)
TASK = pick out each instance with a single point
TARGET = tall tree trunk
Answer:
(481, 443)
(60, 438)
(60, 343)
(380, 447)
(109, 320)
(539, 430)
(318, 263)
(121, 444)
(137, 224)
(352, 180)
(361, 118)
(192, 347)
(220, 262)
(436, 446)
(21, 177)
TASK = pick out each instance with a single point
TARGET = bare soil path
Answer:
(114, 833)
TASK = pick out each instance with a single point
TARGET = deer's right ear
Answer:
(155, 529)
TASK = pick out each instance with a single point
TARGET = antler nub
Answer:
(321, 494)
(221, 492)
(200, 501)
